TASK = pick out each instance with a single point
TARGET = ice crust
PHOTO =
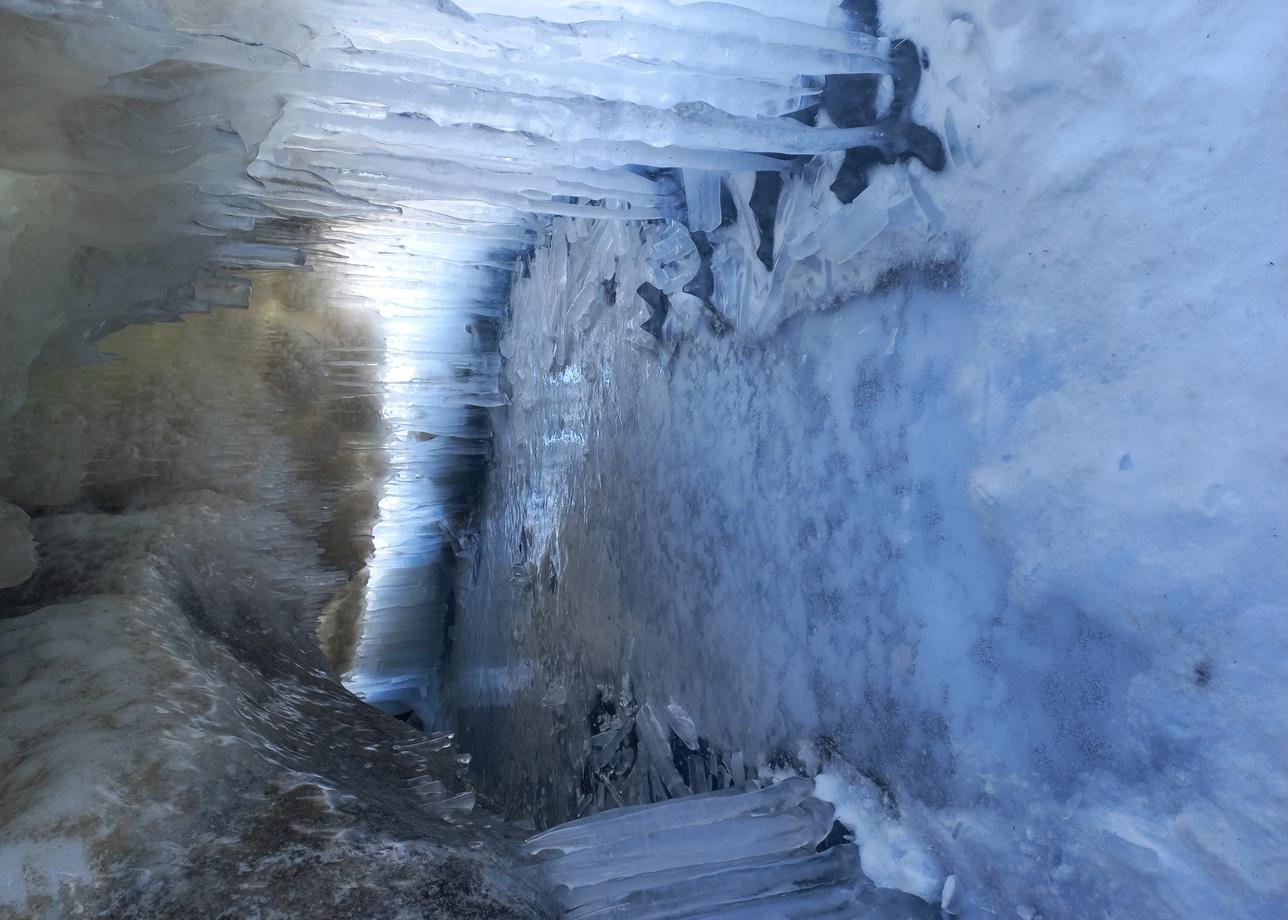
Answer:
(174, 742)
(17, 548)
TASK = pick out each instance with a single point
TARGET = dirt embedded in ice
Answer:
(176, 744)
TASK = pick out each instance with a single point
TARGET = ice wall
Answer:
(1001, 539)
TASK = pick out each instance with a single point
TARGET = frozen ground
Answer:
(1003, 534)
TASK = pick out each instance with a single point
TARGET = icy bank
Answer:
(173, 743)
(1004, 539)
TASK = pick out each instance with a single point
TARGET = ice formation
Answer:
(184, 145)
(363, 187)
(951, 498)
(757, 853)
(981, 541)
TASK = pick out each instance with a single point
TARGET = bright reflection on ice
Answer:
(436, 285)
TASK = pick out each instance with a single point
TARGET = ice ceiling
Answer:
(872, 399)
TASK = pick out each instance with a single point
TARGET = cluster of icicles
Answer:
(408, 155)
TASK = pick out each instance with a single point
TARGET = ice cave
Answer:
(644, 459)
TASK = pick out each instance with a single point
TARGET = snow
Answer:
(891, 855)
